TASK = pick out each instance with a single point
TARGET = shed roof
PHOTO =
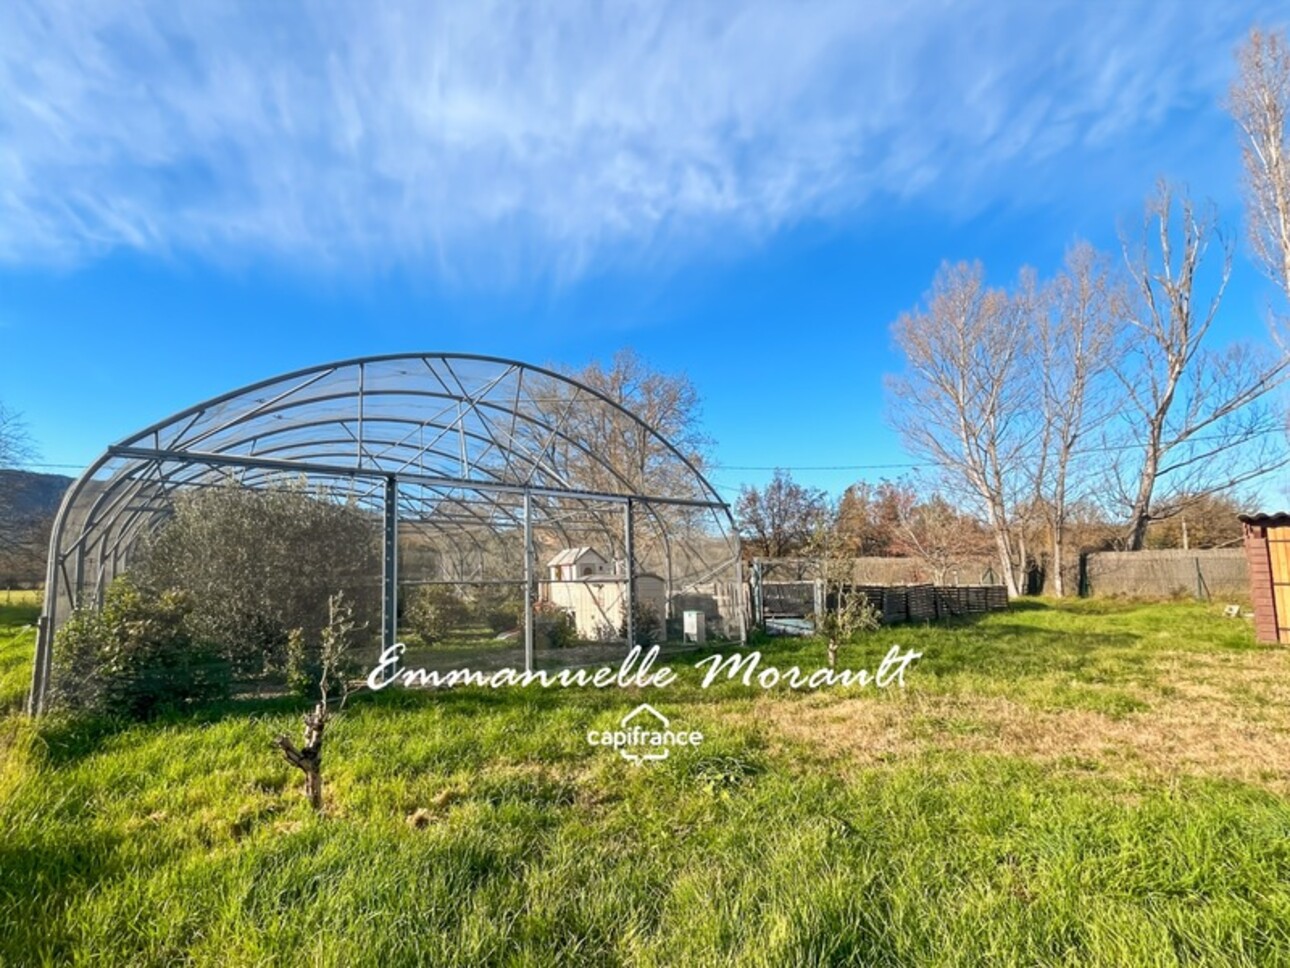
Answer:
(1272, 519)
(571, 556)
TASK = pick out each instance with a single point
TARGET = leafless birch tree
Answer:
(1075, 322)
(965, 400)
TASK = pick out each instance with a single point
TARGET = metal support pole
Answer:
(37, 698)
(669, 611)
(79, 599)
(45, 633)
(739, 595)
(630, 552)
(528, 582)
(390, 567)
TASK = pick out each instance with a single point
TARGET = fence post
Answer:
(528, 580)
(390, 566)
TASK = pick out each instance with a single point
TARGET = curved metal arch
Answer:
(327, 369)
(556, 432)
(530, 431)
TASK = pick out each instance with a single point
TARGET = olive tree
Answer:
(259, 564)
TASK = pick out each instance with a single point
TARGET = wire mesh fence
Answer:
(1201, 573)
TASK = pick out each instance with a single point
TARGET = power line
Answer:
(811, 467)
(1102, 449)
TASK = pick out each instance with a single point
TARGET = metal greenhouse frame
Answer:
(451, 447)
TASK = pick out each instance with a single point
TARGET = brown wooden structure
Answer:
(1267, 546)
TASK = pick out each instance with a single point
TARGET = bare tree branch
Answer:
(1076, 319)
(1260, 103)
(1176, 388)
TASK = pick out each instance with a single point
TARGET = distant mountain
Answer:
(30, 496)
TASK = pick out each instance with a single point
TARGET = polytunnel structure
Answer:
(476, 473)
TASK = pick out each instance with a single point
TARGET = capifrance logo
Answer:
(644, 734)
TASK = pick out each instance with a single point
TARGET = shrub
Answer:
(136, 655)
(303, 663)
(553, 626)
(433, 611)
(499, 608)
(501, 619)
(646, 623)
(324, 665)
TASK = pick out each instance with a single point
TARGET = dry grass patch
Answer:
(1224, 716)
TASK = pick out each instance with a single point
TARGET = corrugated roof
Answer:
(1266, 519)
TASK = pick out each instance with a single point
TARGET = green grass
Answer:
(1095, 783)
(19, 611)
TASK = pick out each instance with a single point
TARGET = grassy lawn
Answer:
(1094, 783)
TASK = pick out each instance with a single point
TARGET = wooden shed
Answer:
(1267, 547)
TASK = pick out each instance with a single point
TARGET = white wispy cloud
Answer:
(530, 138)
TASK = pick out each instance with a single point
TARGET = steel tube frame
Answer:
(340, 470)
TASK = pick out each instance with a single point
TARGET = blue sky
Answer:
(195, 196)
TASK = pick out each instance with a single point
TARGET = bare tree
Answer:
(1075, 323)
(1260, 103)
(935, 532)
(667, 402)
(1196, 422)
(628, 455)
(965, 400)
(16, 448)
(779, 519)
(1210, 521)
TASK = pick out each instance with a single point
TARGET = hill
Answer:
(29, 496)
(28, 502)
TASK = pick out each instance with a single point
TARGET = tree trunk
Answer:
(313, 786)
(1005, 561)
(1059, 551)
(1023, 574)
(1140, 516)
(1138, 522)
(309, 759)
